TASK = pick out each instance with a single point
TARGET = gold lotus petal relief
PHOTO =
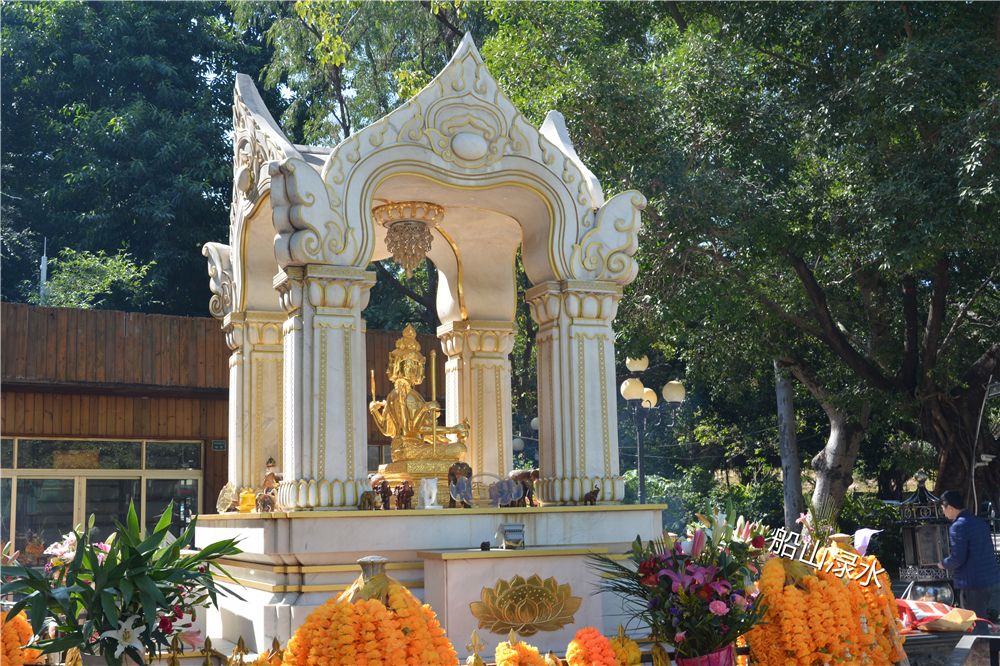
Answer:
(525, 606)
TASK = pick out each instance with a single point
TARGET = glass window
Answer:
(373, 458)
(159, 492)
(6, 453)
(44, 515)
(5, 491)
(173, 455)
(69, 454)
(108, 501)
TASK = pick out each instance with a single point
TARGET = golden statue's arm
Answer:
(377, 409)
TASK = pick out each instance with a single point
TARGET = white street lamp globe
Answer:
(673, 392)
(637, 364)
(632, 389)
(534, 424)
(649, 398)
(518, 444)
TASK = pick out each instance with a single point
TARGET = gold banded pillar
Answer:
(255, 387)
(325, 408)
(477, 385)
(578, 421)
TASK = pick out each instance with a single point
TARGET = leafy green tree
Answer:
(837, 196)
(84, 280)
(114, 132)
(824, 191)
(342, 64)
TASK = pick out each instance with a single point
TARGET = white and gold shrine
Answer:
(458, 175)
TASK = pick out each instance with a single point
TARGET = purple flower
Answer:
(675, 610)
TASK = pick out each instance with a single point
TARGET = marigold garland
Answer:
(16, 634)
(518, 654)
(825, 619)
(627, 652)
(590, 648)
(367, 633)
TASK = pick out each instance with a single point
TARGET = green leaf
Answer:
(39, 612)
(166, 518)
(110, 608)
(133, 524)
(127, 590)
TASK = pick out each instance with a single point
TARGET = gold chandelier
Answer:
(408, 225)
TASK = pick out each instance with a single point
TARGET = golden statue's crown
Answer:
(407, 346)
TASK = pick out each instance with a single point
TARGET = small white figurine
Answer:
(428, 494)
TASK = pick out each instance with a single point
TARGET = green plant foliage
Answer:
(823, 189)
(344, 65)
(114, 136)
(865, 510)
(96, 592)
(85, 280)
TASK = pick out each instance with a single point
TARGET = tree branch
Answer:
(442, 19)
(400, 287)
(675, 14)
(965, 309)
(935, 319)
(986, 365)
(798, 322)
(835, 339)
(907, 374)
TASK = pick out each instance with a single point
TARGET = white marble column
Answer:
(477, 385)
(578, 432)
(255, 377)
(325, 428)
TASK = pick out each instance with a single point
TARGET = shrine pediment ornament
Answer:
(460, 134)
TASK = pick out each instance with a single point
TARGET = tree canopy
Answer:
(114, 130)
(823, 190)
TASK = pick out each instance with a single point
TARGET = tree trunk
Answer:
(950, 422)
(835, 463)
(791, 471)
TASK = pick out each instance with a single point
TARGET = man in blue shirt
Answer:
(972, 560)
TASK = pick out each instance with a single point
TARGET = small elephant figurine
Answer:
(404, 495)
(591, 497)
(265, 502)
(367, 501)
(385, 493)
(459, 470)
(428, 493)
(527, 478)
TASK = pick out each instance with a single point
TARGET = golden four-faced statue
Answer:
(420, 447)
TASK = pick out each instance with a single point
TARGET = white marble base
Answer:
(293, 562)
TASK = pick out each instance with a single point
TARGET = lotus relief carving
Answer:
(526, 606)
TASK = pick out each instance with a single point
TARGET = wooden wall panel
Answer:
(104, 346)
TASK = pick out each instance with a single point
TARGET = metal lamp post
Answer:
(642, 400)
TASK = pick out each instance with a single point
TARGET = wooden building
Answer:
(99, 408)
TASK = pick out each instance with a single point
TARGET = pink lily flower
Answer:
(192, 638)
(680, 635)
(697, 542)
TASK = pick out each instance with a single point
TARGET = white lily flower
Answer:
(127, 635)
(686, 546)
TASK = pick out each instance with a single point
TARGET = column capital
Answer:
(573, 299)
(323, 286)
(477, 337)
